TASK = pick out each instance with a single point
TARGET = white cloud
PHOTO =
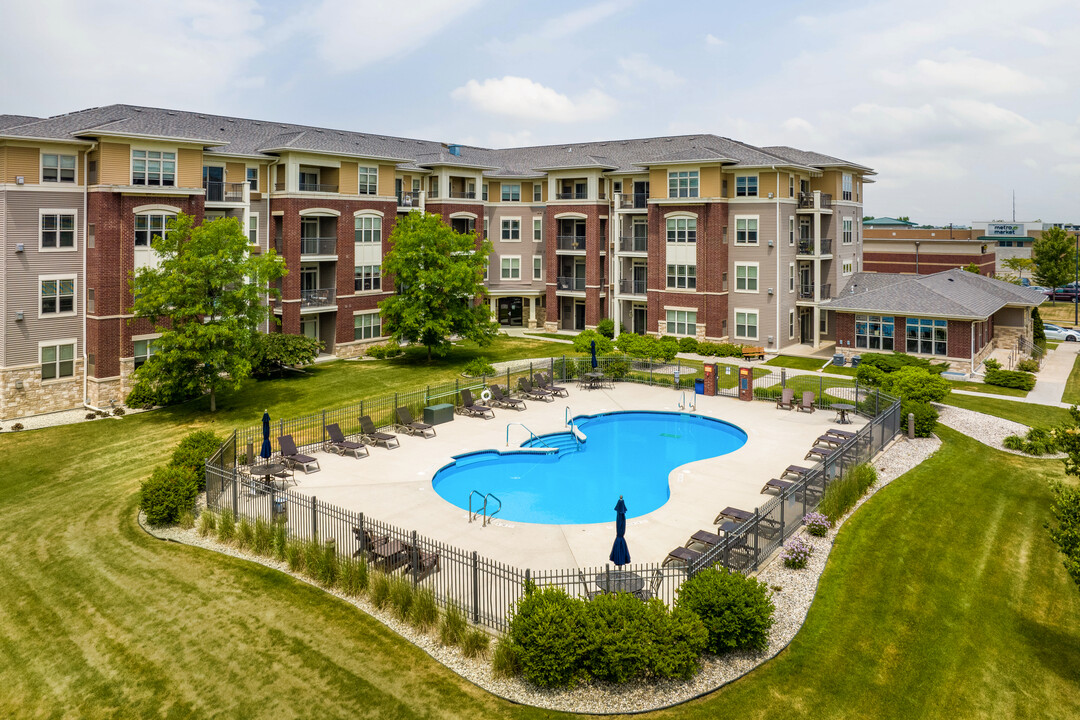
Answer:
(959, 72)
(638, 69)
(797, 125)
(711, 39)
(555, 29)
(524, 98)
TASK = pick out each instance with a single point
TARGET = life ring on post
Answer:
(486, 396)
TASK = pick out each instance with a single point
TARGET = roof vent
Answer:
(454, 150)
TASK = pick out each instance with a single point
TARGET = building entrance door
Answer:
(579, 316)
(806, 323)
(637, 325)
(510, 311)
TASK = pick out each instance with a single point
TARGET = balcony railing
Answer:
(318, 187)
(318, 246)
(463, 194)
(316, 298)
(408, 199)
(633, 243)
(224, 191)
(806, 292)
(631, 201)
(570, 283)
(570, 242)
(632, 287)
(806, 201)
(806, 246)
(572, 196)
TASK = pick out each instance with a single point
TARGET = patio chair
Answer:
(368, 542)
(545, 383)
(406, 424)
(293, 457)
(426, 563)
(371, 435)
(702, 540)
(498, 399)
(796, 471)
(842, 434)
(807, 402)
(534, 393)
(653, 588)
(786, 401)
(338, 444)
(778, 485)
(730, 513)
(470, 408)
(586, 588)
(829, 441)
(819, 453)
(680, 555)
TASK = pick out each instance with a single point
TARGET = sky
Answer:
(955, 104)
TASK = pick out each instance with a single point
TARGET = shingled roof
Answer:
(950, 293)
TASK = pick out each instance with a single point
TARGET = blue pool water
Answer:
(624, 453)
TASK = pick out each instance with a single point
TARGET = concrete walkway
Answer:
(1054, 375)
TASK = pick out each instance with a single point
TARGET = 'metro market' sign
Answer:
(1004, 230)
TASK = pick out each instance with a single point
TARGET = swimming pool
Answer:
(573, 482)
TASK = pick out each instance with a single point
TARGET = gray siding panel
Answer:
(21, 285)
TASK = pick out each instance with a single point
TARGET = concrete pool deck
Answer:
(394, 486)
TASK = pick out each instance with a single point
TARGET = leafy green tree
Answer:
(438, 274)
(1066, 507)
(1054, 257)
(971, 268)
(1019, 265)
(204, 296)
(272, 352)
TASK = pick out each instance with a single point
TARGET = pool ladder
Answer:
(483, 507)
(532, 435)
(692, 405)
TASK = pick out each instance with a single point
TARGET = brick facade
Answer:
(596, 240)
(904, 262)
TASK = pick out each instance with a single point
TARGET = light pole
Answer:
(916, 257)
(1076, 283)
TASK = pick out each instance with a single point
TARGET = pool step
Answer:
(564, 442)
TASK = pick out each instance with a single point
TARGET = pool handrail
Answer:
(532, 435)
(483, 507)
(487, 518)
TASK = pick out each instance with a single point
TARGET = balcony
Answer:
(320, 298)
(463, 194)
(632, 287)
(633, 244)
(816, 200)
(631, 201)
(806, 292)
(570, 284)
(806, 246)
(570, 243)
(318, 246)
(407, 201)
(225, 192)
(577, 195)
(318, 187)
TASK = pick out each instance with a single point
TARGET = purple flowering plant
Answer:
(816, 524)
(796, 553)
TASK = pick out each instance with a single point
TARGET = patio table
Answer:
(611, 581)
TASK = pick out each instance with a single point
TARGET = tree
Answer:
(204, 297)
(1054, 257)
(439, 277)
(971, 268)
(1066, 507)
(275, 351)
(1019, 265)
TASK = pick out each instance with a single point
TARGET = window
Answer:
(538, 267)
(746, 324)
(538, 229)
(91, 233)
(874, 332)
(847, 186)
(57, 231)
(58, 168)
(746, 231)
(511, 230)
(823, 325)
(90, 304)
(369, 180)
(253, 179)
(790, 185)
(846, 237)
(144, 350)
(681, 322)
(368, 278)
(683, 184)
(746, 186)
(368, 228)
(682, 277)
(723, 281)
(486, 228)
(791, 324)
(253, 228)
(746, 276)
(846, 267)
(434, 187)
(153, 167)
(791, 277)
(928, 337)
(57, 295)
(791, 231)
(367, 326)
(57, 361)
(682, 230)
(538, 192)
(511, 192)
(511, 268)
(148, 227)
(484, 190)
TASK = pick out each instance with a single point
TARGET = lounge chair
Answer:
(470, 408)
(545, 383)
(534, 393)
(368, 542)
(778, 485)
(426, 563)
(819, 452)
(795, 471)
(829, 440)
(292, 456)
(786, 401)
(730, 513)
(680, 555)
(340, 445)
(807, 402)
(406, 424)
(842, 434)
(371, 435)
(498, 399)
(589, 592)
(701, 540)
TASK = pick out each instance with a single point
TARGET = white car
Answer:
(1060, 334)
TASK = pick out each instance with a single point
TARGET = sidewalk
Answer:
(1054, 375)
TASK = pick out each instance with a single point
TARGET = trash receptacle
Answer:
(699, 387)
(279, 506)
(838, 359)
(855, 360)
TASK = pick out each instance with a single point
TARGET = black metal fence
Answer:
(485, 589)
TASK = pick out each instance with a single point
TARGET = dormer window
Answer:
(153, 168)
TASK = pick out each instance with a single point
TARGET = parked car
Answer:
(1060, 334)
(1062, 293)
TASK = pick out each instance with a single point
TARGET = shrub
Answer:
(1037, 441)
(550, 629)
(606, 327)
(992, 364)
(617, 369)
(645, 346)
(187, 519)
(583, 343)
(262, 540)
(1010, 379)
(91, 416)
(916, 384)
(708, 349)
(193, 452)
(869, 375)
(380, 590)
(679, 639)
(280, 541)
(16, 427)
(842, 493)
(245, 533)
(796, 554)
(119, 412)
(736, 609)
(453, 627)
(424, 613)
(730, 350)
(475, 643)
(294, 555)
(207, 523)
(142, 396)
(226, 526)
(816, 524)
(401, 597)
(688, 345)
(478, 367)
(321, 562)
(1038, 329)
(1029, 365)
(168, 492)
(386, 350)
(768, 393)
(564, 369)
(354, 576)
(925, 417)
(506, 658)
(618, 636)
(891, 362)
(273, 352)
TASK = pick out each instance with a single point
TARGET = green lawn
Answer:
(797, 362)
(1029, 414)
(988, 389)
(1072, 386)
(973, 617)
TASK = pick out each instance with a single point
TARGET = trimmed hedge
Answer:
(891, 362)
(926, 417)
(737, 610)
(193, 452)
(168, 492)
(1010, 379)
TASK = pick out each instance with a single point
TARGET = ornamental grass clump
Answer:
(474, 643)
(424, 613)
(401, 597)
(816, 524)
(207, 523)
(280, 540)
(262, 540)
(796, 554)
(380, 590)
(354, 576)
(245, 534)
(454, 626)
(226, 526)
(842, 493)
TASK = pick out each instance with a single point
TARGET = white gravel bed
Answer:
(793, 592)
(64, 417)
(987, 429)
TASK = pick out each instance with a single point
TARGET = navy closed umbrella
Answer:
(592, 347)
(266, 451)
(620, 553)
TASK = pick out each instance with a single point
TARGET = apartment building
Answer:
(693, 235)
